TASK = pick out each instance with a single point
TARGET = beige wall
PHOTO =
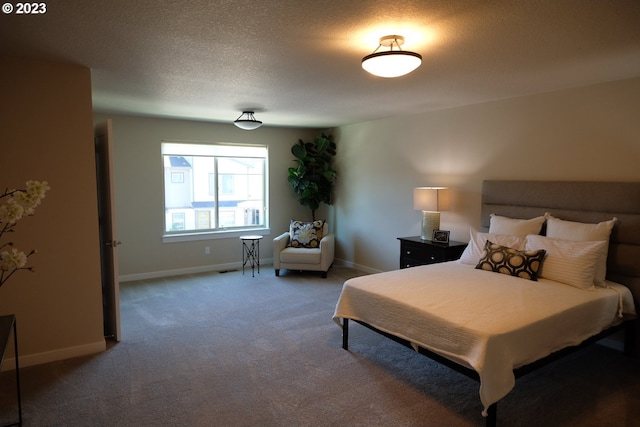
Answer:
(139, 193)
(588, 133)
(46, 134)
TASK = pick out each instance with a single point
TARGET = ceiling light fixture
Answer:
(391, 63)
(249, 122)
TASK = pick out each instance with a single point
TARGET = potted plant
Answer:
(314, 176)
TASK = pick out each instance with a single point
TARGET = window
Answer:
(177, 177)
(177, 221)
(214, 187)
(226, 184)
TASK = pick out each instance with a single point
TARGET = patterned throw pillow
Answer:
(501, 259)
(306, 234)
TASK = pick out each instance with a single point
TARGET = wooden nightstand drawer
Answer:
(420, 252)
(414, 251)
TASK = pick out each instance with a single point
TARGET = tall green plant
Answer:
(314, 176)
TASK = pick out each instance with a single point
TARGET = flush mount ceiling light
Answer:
(247, 121)
(391, 63)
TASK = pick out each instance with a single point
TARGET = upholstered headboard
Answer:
(590, 202)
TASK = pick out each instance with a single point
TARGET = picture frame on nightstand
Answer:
(440, 236)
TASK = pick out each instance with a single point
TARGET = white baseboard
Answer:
(55, 355)
(188, 270)
(358, 267)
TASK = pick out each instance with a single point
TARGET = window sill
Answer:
(194, 237)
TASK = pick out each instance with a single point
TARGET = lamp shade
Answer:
(431, 199)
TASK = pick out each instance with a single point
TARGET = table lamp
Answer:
(431, 201)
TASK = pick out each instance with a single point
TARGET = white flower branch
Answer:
(16, 204)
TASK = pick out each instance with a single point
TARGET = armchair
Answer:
(304, 258)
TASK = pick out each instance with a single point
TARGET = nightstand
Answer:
(415, 251)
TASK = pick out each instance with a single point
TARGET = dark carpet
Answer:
(226, 349)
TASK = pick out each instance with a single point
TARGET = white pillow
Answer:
(568, 261)
(515, 227)
(581, 232)
(473, 252)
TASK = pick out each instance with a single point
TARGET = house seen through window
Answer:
(214, 187)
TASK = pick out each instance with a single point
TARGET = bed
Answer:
(497, 327)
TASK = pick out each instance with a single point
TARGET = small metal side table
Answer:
(251, 252)
(7, 324)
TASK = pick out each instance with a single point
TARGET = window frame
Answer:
(216, 150)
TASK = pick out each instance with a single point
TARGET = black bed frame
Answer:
(491, 419)
(581, 201)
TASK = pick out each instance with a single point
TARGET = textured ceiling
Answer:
(297, 62)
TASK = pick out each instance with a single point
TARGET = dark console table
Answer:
(7, 325)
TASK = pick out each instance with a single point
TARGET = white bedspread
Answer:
(487, 321)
